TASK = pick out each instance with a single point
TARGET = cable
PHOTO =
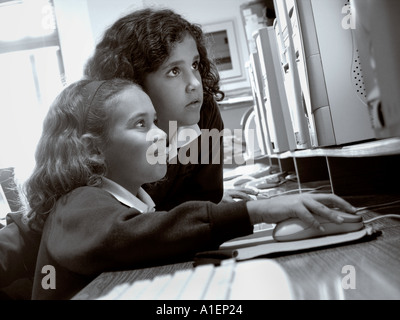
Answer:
(381, 205)
(397, 216)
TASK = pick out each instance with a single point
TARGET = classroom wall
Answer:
(81, 24)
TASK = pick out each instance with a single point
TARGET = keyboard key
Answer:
(135, 290)
(155, 287)
(220, 282)
(198, 283)
(260, 279)
(115, 292)
(176, 285)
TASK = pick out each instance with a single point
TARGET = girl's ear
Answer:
(93, 154)
(90, 143)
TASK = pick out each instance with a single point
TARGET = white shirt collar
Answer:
(176, 141)
(142, 202)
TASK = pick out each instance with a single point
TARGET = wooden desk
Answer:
(316, 273)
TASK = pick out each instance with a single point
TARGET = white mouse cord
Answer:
(381, 205)
(397, 216)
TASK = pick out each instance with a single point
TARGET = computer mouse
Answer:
(295, 229)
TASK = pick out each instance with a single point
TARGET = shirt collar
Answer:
(176, 140)
(142, 202)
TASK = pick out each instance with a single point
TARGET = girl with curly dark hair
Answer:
(167, 56)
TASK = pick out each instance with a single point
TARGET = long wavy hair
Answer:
(139, 43)
(68, 154)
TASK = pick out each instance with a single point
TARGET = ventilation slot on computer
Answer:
(357, 77)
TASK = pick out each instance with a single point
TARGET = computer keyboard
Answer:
(258, 279)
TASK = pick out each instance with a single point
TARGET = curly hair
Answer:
(138, 44)
(69, 154)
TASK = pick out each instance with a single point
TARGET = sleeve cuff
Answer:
(230, 220)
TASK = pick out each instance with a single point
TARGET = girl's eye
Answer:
(196, 65)
(174, 72)
(140, 124)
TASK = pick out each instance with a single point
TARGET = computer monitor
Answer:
(276, 106)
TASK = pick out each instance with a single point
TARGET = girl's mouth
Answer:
(194, 104)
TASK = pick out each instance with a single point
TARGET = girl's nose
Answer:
(159, 136)
(194, 82)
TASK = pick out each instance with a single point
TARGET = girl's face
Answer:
(175, 88)
(132, 134)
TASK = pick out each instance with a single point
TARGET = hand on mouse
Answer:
(302, 206)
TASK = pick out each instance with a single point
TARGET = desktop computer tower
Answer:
(275, 101)
(333, 86)
(376, 28)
